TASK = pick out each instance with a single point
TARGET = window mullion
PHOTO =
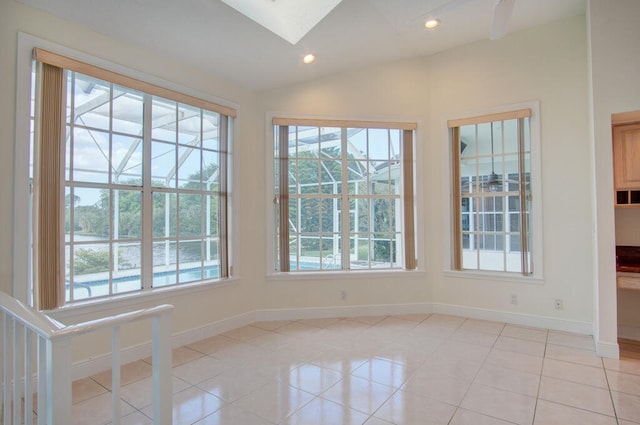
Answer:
(147, 198)
(344, 203)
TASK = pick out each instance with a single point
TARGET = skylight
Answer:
(289, 19)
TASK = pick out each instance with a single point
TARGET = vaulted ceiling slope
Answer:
(214, 37)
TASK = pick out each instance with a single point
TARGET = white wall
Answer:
(615, 88)
(193, 310)
(547, 64)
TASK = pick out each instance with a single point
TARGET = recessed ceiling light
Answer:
(309, 58)
(432, 23)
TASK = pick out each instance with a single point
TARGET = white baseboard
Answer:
(100, 363)
(608, 349)
(584, 328)
(342, 311)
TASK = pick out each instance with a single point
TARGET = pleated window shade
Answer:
(49, 259)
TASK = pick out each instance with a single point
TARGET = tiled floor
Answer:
(405, 370)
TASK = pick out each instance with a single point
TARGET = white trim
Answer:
(493, 276)
(530, 320)
(342, 311)
(609, 350)
(536, 186)
(21, 210)
(348, 274)
(418, 204)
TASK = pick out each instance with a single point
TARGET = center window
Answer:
(343, 194)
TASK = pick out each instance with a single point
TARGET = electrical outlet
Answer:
(514, 299)
(558, 304)
(343, 295)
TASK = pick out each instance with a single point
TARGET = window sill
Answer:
(496, 276)
(135, 299)
(347, 275)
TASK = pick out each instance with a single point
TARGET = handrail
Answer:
(34, 319)
(106, 322)
(52, 354)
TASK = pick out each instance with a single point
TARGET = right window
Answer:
(492, 196)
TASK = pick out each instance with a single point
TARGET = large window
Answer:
(492, 192)
(343, 195)
(138, 175)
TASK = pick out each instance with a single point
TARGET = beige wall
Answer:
(547, 64)
(193, 310)
(615, 88)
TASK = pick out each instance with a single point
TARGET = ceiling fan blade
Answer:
(501, 16)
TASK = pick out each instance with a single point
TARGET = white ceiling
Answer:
(216, 38)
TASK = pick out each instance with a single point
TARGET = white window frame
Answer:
(271, 272)
(22, 231)
(536, 236)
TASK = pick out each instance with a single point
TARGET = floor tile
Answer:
(408, 408)
(129, 373)
(274, 402)
(573, 372)
(585, 397)
(624, 382)
(199, 370)
(324, 412)
(384, 372)
(467, 417)
(517, 361)
(97, 410)
(573, 355)
(234, 384)
(313, 379)
(86, 388)
(191, 405)
(625, 365)
(500, 404)
(484, 326)
(523, 346)
(381, 370)
(509, 380)
(360, 394)
(548, 413)
(232, 415)
(627, 406)
(521, 332)
(139, 394)
(584, 342)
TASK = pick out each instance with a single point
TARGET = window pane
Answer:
(126, 160)
(163, 120)
(190, 258)
(90, 214)
(91, 101)
(128, 208)
(210, 170)
(210, 130)
(164, 264)
(189, 173)
(164, 215)
(190, 215)
(91, 266)
(90, 156)
(309, 215)
(163, 165)
(310, 253)
(128, 106)
(127, 267)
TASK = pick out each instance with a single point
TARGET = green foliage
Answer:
(89, 261)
